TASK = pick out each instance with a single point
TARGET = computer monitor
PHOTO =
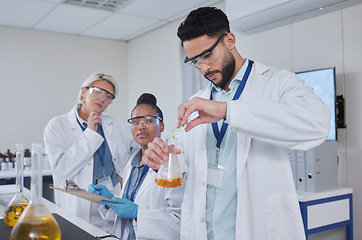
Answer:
(323, 82)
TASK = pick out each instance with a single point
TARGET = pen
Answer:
(96, 181)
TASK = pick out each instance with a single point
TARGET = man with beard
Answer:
(238, 129)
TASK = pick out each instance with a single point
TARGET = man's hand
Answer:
(209, 111)
(157, 153)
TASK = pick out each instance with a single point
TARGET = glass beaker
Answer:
(36, 222)
(169, 174)
(18, 204)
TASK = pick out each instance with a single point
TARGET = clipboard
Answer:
(82, 193)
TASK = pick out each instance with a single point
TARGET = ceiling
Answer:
(131, 18)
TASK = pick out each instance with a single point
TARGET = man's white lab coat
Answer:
(276, 111)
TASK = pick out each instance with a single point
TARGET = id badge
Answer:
(106, 181)
(215, 176)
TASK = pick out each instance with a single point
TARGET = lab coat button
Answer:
(218, 200)
(203, 183)
(89, 164)
(202, 219)
(217, 228)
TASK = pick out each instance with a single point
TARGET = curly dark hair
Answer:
(209, 21)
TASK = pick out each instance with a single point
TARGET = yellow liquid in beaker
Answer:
(169, 183)
(13, 213)
(36, 227)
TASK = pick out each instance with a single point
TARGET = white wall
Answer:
(353, 87)
(155, 67)
(40, 77)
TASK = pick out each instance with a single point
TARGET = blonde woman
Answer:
(88, 146)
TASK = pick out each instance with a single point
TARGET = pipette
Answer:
(176, 131)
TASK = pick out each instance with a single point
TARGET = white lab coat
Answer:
(70, 152)
(159, 208)
(276, 111)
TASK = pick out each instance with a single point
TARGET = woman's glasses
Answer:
(100, 92)
(148, 121)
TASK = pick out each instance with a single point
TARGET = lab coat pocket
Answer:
(185, 221)
(283, 218)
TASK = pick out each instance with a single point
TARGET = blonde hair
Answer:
(97, 77)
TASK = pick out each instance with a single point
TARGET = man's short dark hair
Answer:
(209, 21)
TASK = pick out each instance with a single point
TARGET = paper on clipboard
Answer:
(82, 193)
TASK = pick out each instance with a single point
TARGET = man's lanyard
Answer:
(101, 157)
(144, 171)
(220, 134)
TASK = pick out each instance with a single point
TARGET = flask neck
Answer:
(36, 174)
(19, 173)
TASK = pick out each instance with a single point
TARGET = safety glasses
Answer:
(100, 92)
(206, 57)
(148, 121)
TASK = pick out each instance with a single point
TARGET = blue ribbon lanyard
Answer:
(102, 157)
(103, 144)
(219, 135)
(81, 126)
(144, 171)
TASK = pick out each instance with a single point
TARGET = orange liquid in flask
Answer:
(169, 183)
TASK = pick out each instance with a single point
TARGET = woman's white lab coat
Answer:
(159, 208)
(275, 112)
(70, 152)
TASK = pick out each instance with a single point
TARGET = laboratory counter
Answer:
(7, 192)
(27, 173)
(325, 210)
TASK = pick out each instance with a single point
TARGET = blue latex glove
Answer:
(124, 209)
(100, 190)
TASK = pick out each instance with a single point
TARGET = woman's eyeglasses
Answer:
(148, 121)
(100, 92)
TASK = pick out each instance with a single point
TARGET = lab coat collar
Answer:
(260, 68)
(135, 162)
(81, 120)
(149, 179)
(72, 119)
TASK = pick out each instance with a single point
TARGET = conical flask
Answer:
(18, 204)
(169, 174)
(36, 222)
